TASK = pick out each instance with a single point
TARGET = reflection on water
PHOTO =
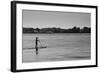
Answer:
(59, 47)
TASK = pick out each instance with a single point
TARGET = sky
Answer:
(45, 19)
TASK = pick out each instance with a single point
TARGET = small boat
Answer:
(42, 47)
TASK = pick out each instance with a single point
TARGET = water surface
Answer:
(59, 47)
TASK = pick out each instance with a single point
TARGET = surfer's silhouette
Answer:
(36, 47)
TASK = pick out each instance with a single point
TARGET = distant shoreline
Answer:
(57, 30)
(55, 33)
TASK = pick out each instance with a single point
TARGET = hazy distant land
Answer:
(57, 30)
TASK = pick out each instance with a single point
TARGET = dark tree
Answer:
(37, 29)
(28, 30)
(86, 30)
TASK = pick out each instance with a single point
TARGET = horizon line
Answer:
(58, 27)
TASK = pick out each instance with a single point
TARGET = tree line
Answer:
(57, 30)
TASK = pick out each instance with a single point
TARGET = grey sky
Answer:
(44, 19)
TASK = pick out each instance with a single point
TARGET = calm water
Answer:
(58, 47)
